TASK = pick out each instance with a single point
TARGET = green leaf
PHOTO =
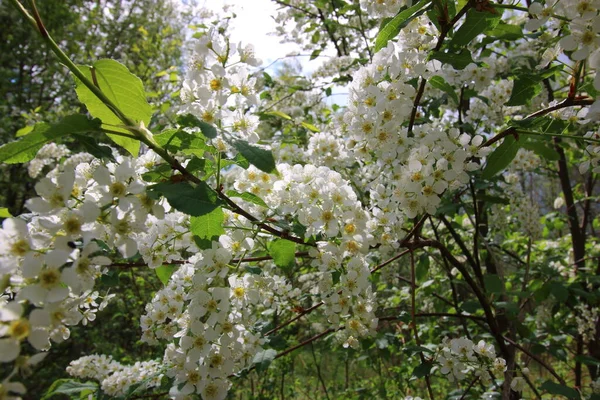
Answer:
(393, 27)
(440, 83)
(164, 273)
(4, 213)
(176, 140)
(249, 197)
(99, 151)
(555, 388)
(587, 360)
(26, 148)
(540, 148)
(263, 359)
(493, 283)
(279, 114)
(314, 54)
(24, 130)
(253, 270)
(71, 388)
(525, 88)
(190, 121)
(257, 156)
(501, 157)
(124, 89)
(412, 350)
(422, 370)
(209, 225)
(457, 60)
(194, 201)
(505, 31)
(310, 127)
(559, 291)
(475, 23)
(422, 267)
(283, 252)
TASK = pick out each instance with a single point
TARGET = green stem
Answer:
(124, 134)
(525, 9)
(558, 135)
(138, 132)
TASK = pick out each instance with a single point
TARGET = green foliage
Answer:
(209, 225)
(475, 23)
(283, 252)
(72, 388)
(259, 157)
(26, 148)
(501, 157)
(164, 273)
(195, 201)
(458, 60)
(125, 90)
(392, 28)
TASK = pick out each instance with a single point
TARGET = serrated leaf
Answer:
(26, 148)
(525, 88)
(310, 127)
(393, 27)
(555, 388)
(70, 387)
(164, 273)
(191, 121)
(505, 31)
(208, 225)
(457, 60)
(475, 23)
(124, 89)
(194, 201)
(249, 197)
(541, 150)
(440, 83)
(501, 157)
(278, 114)
(263, 359)
(283, 252)
(176, 140)
(261, 158)
(96, 149)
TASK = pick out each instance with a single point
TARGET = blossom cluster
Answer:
(219, 87)
(115, 378)
(460, 357)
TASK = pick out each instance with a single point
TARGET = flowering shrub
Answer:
(430, 195)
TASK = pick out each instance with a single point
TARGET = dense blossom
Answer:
(411, 141)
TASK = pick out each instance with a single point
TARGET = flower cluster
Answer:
(586, 320)
(459, 357)
(115, 378)
(218, 81)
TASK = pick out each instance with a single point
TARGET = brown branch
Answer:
(537, 359)
(238, 210)
(413, 292)
(445, 30)
(307, 341)
(513, 130)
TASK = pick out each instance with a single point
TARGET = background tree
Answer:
(145, 35)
